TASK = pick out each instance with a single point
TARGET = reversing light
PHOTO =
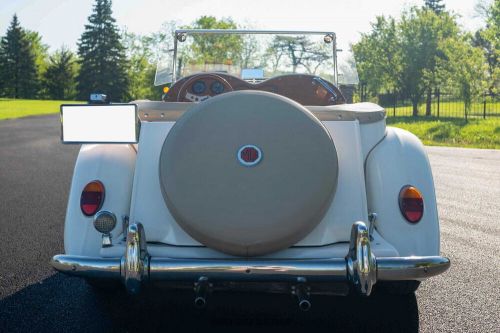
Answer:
(411, 204)
(92, 198)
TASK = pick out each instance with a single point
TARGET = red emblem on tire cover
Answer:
(249, 155)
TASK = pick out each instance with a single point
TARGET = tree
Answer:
(59, 78)
(103, 65)
(377, 56)
(294, 48)
(488, 39)
(249, 56)
(435, 5)
(300, 51)
(403, 55)
(141, 69)
(18, 69)
(464, 68)
(214, 49)
(143, 53)
(161, 42)
(40, 51)
(422, 34)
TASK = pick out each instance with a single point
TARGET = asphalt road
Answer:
(35, 175)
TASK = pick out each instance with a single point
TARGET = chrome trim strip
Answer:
(252, 32)
(182, 33)
(106, 268)
(360, 267)
(324, 270)
(410, 268)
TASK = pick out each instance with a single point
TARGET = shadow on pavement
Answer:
(60, 303)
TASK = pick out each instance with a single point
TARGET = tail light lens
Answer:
(92, 198)
(411, 204)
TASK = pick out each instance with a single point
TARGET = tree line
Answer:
(103, 63)
(425, 50)
(118, 63)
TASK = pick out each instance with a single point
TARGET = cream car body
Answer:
(362, 237)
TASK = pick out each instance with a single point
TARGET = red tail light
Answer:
(411, 204)
(92, 198)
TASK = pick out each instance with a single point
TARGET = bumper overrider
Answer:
(360, 267)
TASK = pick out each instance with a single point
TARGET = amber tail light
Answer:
(411, 204)
(92, 198)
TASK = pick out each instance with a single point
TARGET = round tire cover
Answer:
(248, 172)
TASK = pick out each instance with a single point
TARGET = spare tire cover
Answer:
(248, 210)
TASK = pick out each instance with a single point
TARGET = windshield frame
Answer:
(180, 35)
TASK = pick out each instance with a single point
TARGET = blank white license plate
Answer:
(106, 123)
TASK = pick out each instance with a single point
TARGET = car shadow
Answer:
(61, 303)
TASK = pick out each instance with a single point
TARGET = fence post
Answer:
(363, 92)
(439, 100)
(394, 106)
(484, 106)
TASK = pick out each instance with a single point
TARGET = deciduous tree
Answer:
(300, 51)
(403, 55)
(214, 49)
(422, 34)
(41, 52)
(464, 68)
(378, 57)
(488, 39)
(141, 66)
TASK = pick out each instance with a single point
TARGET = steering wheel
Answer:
(203, 86)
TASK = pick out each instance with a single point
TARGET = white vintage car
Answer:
(252, 172)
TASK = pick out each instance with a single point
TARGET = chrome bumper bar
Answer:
(359, 267)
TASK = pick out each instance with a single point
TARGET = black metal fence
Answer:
(442, 105)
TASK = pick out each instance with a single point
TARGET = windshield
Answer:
(250, 55)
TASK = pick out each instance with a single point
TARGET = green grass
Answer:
(476, 133)
(17, 108)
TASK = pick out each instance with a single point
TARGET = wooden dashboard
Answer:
(302, 88)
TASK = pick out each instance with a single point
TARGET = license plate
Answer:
(108, 123)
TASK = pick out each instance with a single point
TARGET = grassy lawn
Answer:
(17, 108)
(476, 133)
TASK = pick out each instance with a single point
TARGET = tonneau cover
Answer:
(171, 111)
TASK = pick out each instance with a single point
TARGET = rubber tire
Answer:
(398, 287)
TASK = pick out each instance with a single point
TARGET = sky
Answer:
(61, 22)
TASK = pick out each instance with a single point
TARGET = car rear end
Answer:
(231, 192)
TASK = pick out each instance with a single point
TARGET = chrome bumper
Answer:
(359, 267)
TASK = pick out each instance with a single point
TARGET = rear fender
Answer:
(113, 165)
(399, 160)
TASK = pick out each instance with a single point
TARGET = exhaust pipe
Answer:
(302, 293)
(304, 305)
(201, 289)
(200, 302)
